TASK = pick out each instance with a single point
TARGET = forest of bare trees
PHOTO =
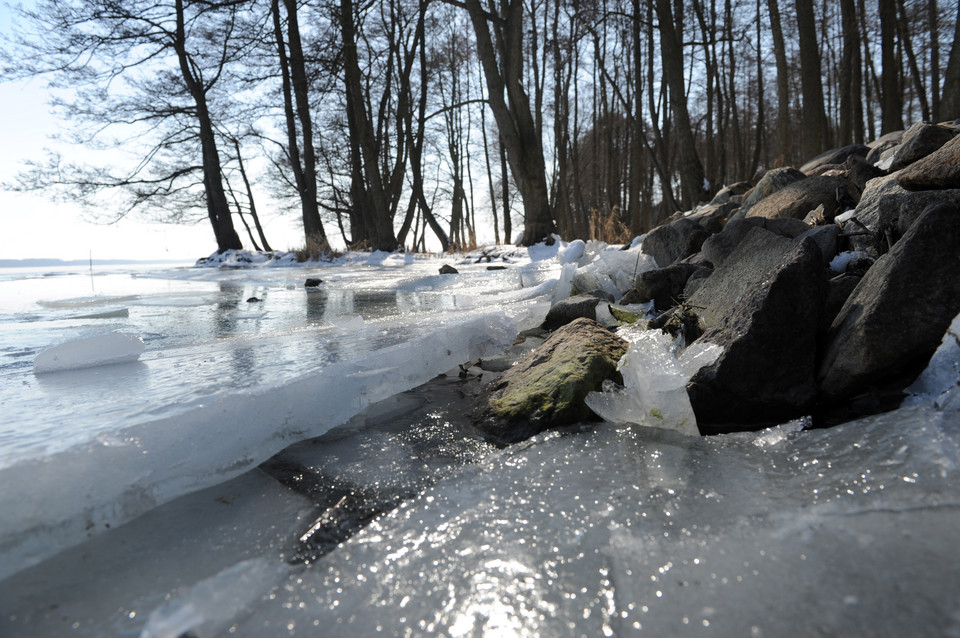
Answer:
(406, 123)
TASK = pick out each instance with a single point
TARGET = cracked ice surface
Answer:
(618, 530)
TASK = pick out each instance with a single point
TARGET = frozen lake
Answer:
(137, 502)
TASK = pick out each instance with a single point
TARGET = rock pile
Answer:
(829, 287)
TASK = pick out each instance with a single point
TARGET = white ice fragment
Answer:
(564, 286)
(840, 262)
(654, 383)
(884, 163)
(572, 252)
(845, 216)
(115, 347)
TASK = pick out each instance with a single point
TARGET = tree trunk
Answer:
(218, 209)
(934, 39)
(307, 184)
(815, 134)
(503, 72)
(891, 99)
(253, 206)
(692, 177)
(950, 100)
(368, 184)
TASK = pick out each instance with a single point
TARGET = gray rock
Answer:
(447, 269)
(799, 198)
(717, 247)
(724, 194)
(816, 217)
(834, 156)
(940, 169)
(772, 181)
(763, 306)
(858, 172)
(566, 310)
(712, 216)
(783, 226)
(898, 314)
(674, 241)
(873, 214)
(664, 285)
(695, 281)
(905, 208)
(826, 238)
(547, 388)
(920, 140)
(838, 291)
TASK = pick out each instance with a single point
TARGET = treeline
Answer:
(389, 121)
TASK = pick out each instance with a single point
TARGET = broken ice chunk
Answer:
(654, 391)
(115, 347)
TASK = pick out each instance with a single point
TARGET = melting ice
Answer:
(607, 529)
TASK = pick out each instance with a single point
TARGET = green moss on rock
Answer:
(548, 388)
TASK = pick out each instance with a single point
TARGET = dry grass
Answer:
(316, 249)
(608, 227)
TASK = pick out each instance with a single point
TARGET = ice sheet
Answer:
(225, 381)
(622, 531)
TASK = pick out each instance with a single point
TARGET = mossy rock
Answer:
(549, 386)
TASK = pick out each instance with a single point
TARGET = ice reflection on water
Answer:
(205, 335)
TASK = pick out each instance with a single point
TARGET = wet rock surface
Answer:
(547, 388)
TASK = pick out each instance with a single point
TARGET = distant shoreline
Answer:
(46, 263)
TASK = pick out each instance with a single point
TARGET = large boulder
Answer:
(762, 305)
(717, 247)
(834, 156)
(674, 241)
(895, 318)
(732, 190)
(548, 387)
(920, 140)
(772, 181)
(799, 198)
(883, 144)
(903, 209)
(873, 213)
(826, 238)
(940, 169)
(664, 285)
(579, 306)
(858, 172)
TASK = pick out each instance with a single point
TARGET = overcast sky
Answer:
(34, 226)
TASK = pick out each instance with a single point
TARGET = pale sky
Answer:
(33, 226)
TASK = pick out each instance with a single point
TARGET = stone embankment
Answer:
(829, 287)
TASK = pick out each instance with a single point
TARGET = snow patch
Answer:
(840, 262)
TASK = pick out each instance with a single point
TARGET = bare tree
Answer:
(502, 57)
(144, 72)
